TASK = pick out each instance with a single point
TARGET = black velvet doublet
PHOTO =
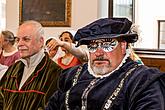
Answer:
(143, 89)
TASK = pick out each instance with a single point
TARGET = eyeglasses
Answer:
(106, 46)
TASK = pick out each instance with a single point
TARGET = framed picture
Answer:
(161, 34)
(50, 13)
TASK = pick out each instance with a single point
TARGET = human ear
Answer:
(123, 46)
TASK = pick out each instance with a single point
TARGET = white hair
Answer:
(37, 26)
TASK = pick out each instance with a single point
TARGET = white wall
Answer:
(147, 14)
(83, 12)
(103, 8)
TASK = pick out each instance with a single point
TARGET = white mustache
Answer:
(22, 48)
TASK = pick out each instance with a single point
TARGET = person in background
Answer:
(134, 56)
(110, 80)
(135, 29)
(73, 56)
(28, 83)
(9, 53)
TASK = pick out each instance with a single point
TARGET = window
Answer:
(121, 8)
(2, 14)
(145, 17)
(161, 34)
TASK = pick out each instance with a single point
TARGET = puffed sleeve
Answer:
(150, 95)
(149, 99)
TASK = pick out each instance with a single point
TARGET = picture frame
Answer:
(50, 13)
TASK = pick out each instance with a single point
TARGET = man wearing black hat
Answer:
(110, 80)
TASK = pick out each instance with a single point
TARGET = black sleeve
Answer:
(54, 101)
(149, 99)
(57, 100)
(148, 91)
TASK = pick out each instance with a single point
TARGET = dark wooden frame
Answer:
(65, 22)
(159, 21)
(110, 12)
(150, 51)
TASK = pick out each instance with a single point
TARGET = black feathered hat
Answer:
(106, 28)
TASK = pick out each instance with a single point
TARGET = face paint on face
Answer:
(107, 46)
(103, 62)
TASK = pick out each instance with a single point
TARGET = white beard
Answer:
(101, 70)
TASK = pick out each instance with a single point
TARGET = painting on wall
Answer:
(50, 13)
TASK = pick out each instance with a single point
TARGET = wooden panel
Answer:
(153, 62)
(152, 57)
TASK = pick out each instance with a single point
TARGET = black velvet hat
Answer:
(106, 28)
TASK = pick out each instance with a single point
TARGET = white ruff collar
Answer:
(128, 51)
